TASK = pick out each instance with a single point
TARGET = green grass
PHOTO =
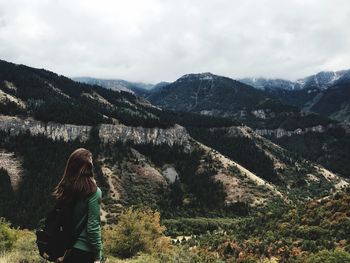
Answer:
(23, 251)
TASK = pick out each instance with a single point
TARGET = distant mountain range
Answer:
(214, 95)
(321, 80)
(326, 93)
(115, 84)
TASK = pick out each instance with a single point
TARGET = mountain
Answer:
(332, 102)
(326, 139)
(201, 92)
(115, 84)
(143, 157)
(324, 79)
(214, 95)
(273, 84)
(47, 96)
(319, 81)
(325, 93)
(304, 93)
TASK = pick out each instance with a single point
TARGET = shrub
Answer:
(24, 249)
(248, 260)
(7, 235)
(137, 231)
(326, 256)
(142, 258)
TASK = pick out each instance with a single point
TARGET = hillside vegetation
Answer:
(315, 232)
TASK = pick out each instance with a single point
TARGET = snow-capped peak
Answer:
(197, 76)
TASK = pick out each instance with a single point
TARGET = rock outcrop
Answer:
(279, 133)
(140, 135)
(107, 132)
(55, 131)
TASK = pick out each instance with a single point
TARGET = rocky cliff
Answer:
(140, 135)
(279, 133)
(55, 131)
(107, 133)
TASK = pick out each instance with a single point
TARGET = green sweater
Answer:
(90, 237)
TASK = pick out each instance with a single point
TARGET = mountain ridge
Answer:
(115, 84)
(321, 80)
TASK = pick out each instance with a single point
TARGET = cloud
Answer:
(154, 40)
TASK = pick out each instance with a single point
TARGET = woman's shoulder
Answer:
(97, 194)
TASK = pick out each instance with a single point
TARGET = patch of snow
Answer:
(207, 77)
(316, 81)
(335, 77)
(206, 112)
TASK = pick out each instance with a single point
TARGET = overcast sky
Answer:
(155, 40)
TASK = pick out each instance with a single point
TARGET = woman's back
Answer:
(89, 211)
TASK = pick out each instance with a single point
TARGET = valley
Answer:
(224, 163)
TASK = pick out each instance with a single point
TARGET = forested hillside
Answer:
(219, 96)
(306, 233)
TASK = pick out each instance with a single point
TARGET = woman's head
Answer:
(77, 180)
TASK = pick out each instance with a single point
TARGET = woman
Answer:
(78, 185)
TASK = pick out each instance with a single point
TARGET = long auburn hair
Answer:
(78, 178)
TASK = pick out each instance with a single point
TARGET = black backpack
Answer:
(58, 236)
